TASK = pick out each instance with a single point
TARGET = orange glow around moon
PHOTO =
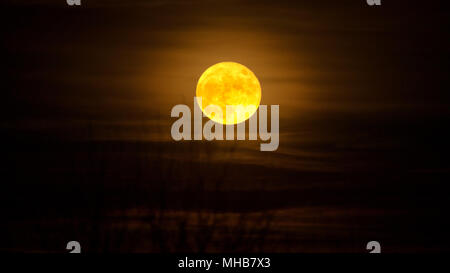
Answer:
(233, 88)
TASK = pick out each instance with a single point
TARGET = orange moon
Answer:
(233, 88)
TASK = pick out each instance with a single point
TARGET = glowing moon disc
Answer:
(229, 86)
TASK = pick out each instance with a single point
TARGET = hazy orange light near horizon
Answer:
(229, 84)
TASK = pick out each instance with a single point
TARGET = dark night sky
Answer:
(364, 106)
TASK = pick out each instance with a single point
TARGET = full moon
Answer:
(232, 87)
